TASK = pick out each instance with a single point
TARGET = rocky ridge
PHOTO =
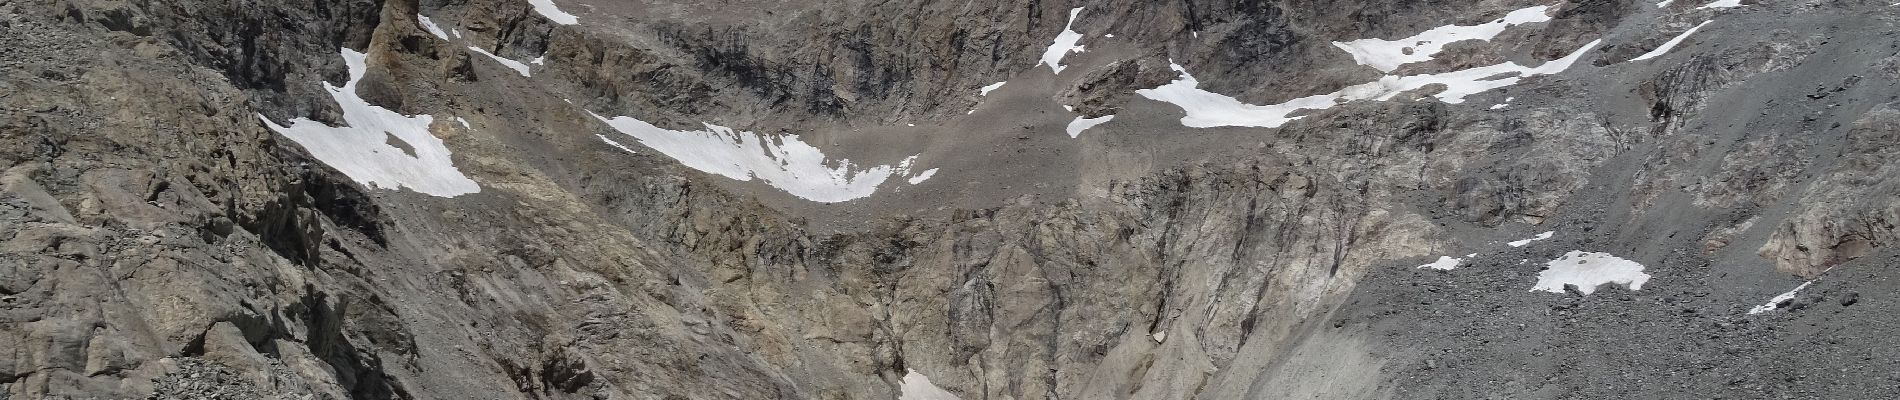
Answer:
(161, 242)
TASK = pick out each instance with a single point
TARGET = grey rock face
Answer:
(158, 241)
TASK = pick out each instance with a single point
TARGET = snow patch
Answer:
(464, 123)
(1775, 302)
(918, 387)
(615, 144)
(1721, 4)
(1160, 337)
(923, 176)
(1388, 55)
(1066, 42)
(1588, 271)
(430, 26)
(1459, 84)
(1082, 124)
(985, 91)
(1540, 236)
(553, 12)
(511, 64)
(1664, 3)
(1671, 44)
(362, 149)
(785, 162)
(1498, 106)
(1208, 109)
(1444, 263)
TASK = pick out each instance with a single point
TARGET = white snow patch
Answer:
(542, 60)
(1388, 55)
(1208, 109)
(1498, 106)
(1160, 337)
(1664, 3)
(1066, 42)
(1109, 35)
(923, 176)
(615, 144)
(464, 123)
(361, 150)
(918, 387)
(1721, 4)
(430, 26)
(1775, 303)
(553, 13)
(1444, 263)
(1082, 124)
(1461, 83)
(1588, 271)
(985, 91)
(786, 162)
(1671, 44)
(511, 64)
(1540, 236)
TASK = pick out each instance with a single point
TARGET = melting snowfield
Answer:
(430, 26)
(786, 162)
(511, 64)
(918, 387)
(363, 150)
(1066, 42)
(1775, 302)
(1540, 236)
(1082, 124)
(1444, 263)
(1208, 109)
(922, 176)
(1388, 55)
(611, 142)
(1588, 271)
(985, 91)
(1671, 44)
(553, 13)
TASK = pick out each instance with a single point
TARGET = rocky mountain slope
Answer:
(848, 199)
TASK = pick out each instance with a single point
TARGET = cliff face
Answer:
(1269, 207)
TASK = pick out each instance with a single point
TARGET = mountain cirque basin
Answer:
(848, 199)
